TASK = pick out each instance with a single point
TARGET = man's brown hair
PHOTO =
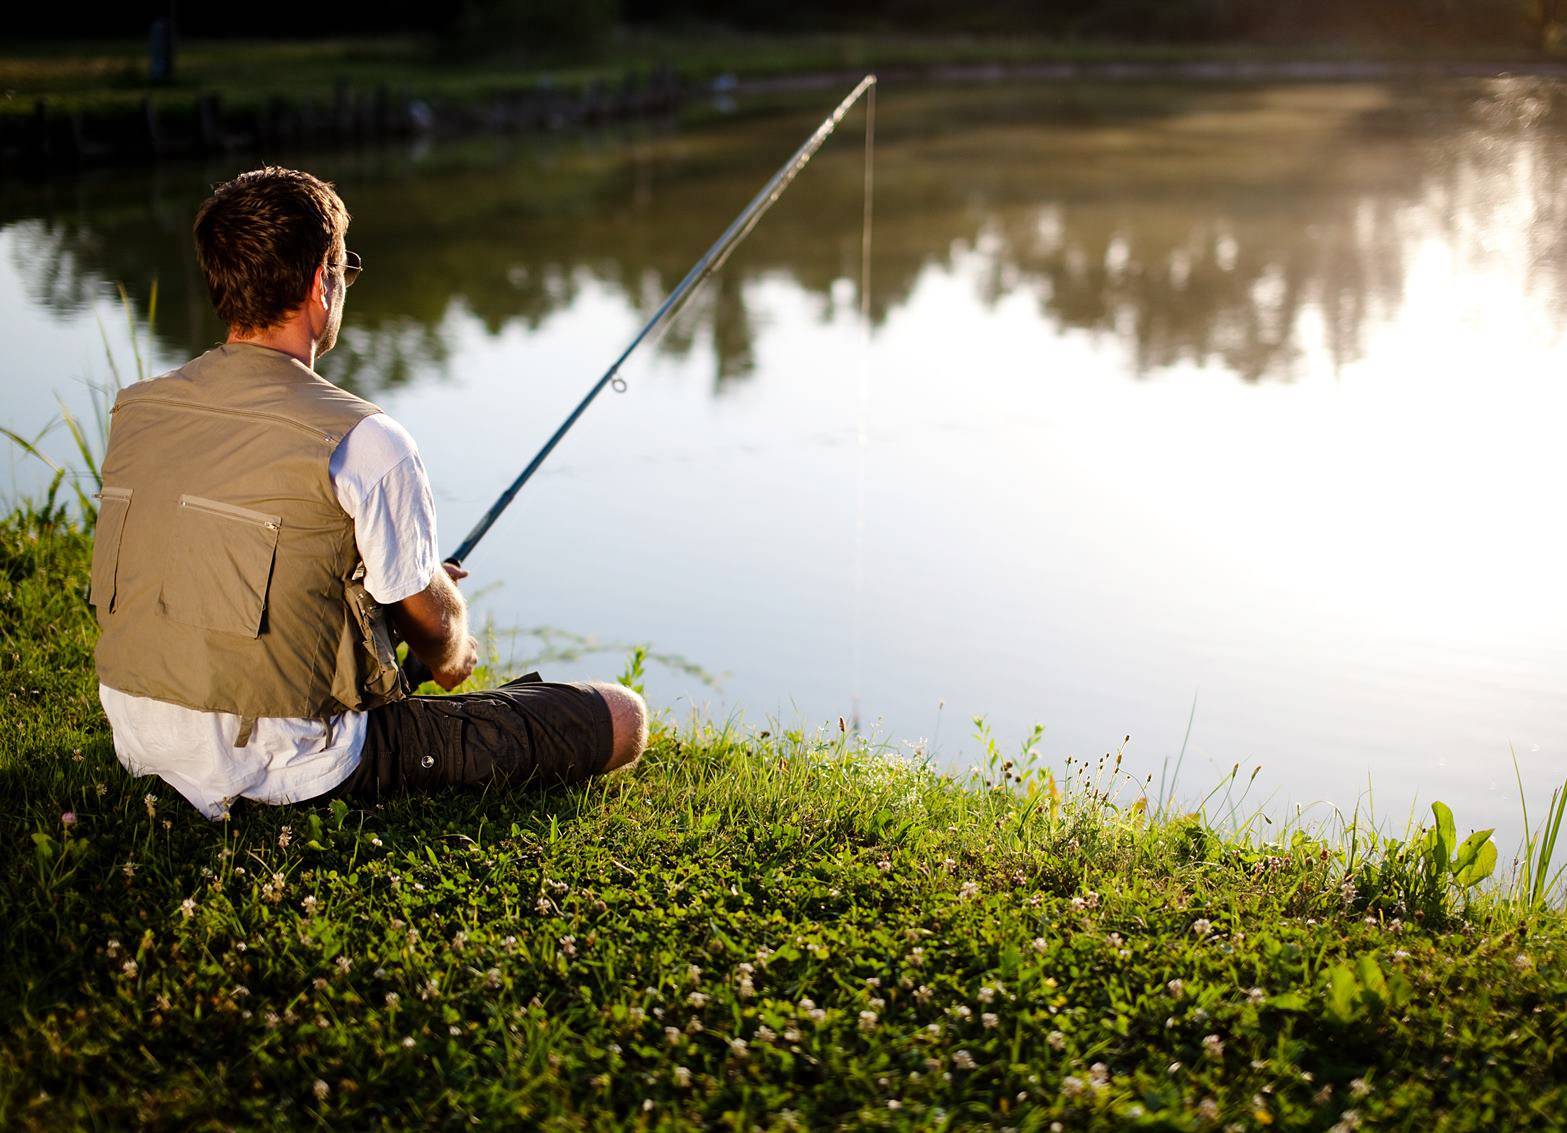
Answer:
(259, 240)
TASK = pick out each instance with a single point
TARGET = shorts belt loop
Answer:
(247, 724)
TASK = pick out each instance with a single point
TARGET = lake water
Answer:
(1248, 398)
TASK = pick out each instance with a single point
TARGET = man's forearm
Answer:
(434, 622)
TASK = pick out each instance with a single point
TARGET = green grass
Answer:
(106, 77)
(744, 931)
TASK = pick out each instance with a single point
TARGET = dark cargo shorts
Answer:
(526, 731)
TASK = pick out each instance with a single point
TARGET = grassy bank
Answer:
(108, 77)
(744, 931)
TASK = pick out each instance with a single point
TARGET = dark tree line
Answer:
(581, 25)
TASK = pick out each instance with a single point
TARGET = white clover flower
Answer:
(1072, 1086)
(320, 1089)
(408, 1042)
(1056, 1040)
(284, 837)
(1099, 1074)
(568, 946)
(1202, 926)
(309, 904)
(764, 1034)
(1255, 995)
(739, 1048)
(961, 1011)
(392, 999)
(128, 969)
(791, 1035)
(746, 988)
(682, 1077)
(1359, 1088)
(151, 802)
(343, 964)
(986, 994)
(694, 974)
(697, 999)
(963, 1060)
(989, 1019)
(1041, 944)
(923, 993)
(816, 1015)
(375, 840)
(542, 905)
(1208, 1109)
(188, 907)
(868, 1020)
(1213, 1047)
(807, 1004)
(969, 891)
(1176, 988)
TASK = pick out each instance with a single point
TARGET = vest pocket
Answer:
(219, 566)
(113, 505)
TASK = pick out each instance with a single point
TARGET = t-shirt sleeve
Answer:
(381, 483)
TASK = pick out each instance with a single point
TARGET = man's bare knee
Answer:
(628, 722)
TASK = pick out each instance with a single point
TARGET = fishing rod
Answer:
(711, 261)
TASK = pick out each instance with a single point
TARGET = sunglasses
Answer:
(352, 265)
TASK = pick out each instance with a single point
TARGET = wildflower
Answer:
(1202, 926)
(1040, 944)
(68, 818)
(969, 891)
(739, 1048)
(408, 1042)
(694, 1026)
(933, 1028)
(1079, 904)
(271, 1020)
(129, 870)
(697, 999)
(672, 1036)
(1208, 1109)
(764, 1034)
(694, 974)
(343, 965)
(128, 969)
(492, 976)
(868, 1020)
(885, 865)
(817, 1016)
(1213, 1047)
(459, 940)
(101, 788)
(961, 1011)
(922, 993)
(568, 945)
(1099, 1074)
(1056, 1040)
(240, 992)
(1114, 940)
(807, 1004)
(915, 958)
(375, 840)
(894, 1103)
(746, 988)
(682, 1077)
(1072, 1086)
(392, 999)
(284, 837)
(986, 994)
(949, 865)
(1173, 1069)
(963, 1060)
(791, 1035)
(1255, 995)
(188, 907)
(319, 983)
(1348, 1121)
(151, 802)
(320, 1089)
(309, 903)
(1359, 1088)
(989, 1019)
(542, 905)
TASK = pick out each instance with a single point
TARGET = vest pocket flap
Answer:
(219, 566)
(113, 505)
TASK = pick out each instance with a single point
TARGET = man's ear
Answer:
(319, 284)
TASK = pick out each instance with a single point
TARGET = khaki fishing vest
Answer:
(225, 573)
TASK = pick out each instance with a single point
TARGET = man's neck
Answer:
(291, 338)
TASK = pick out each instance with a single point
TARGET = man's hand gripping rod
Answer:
(713, 259)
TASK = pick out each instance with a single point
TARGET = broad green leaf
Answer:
(1343, 996)
(1446, 832)
(1288, 1001)
(1481, 868)
(1370, 977)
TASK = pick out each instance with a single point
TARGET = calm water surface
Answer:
(1248, 398)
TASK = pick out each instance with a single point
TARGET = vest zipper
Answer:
(231, 511)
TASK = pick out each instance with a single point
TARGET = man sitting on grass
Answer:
(256, 527)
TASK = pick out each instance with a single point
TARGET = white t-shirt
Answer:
(381, 483)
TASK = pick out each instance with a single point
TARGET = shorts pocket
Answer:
(113, 506)
(219, 566)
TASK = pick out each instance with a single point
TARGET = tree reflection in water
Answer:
(1194, 223)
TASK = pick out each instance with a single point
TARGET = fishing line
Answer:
(712, 260)
(862, 432)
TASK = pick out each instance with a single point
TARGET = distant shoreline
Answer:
(62, 111)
